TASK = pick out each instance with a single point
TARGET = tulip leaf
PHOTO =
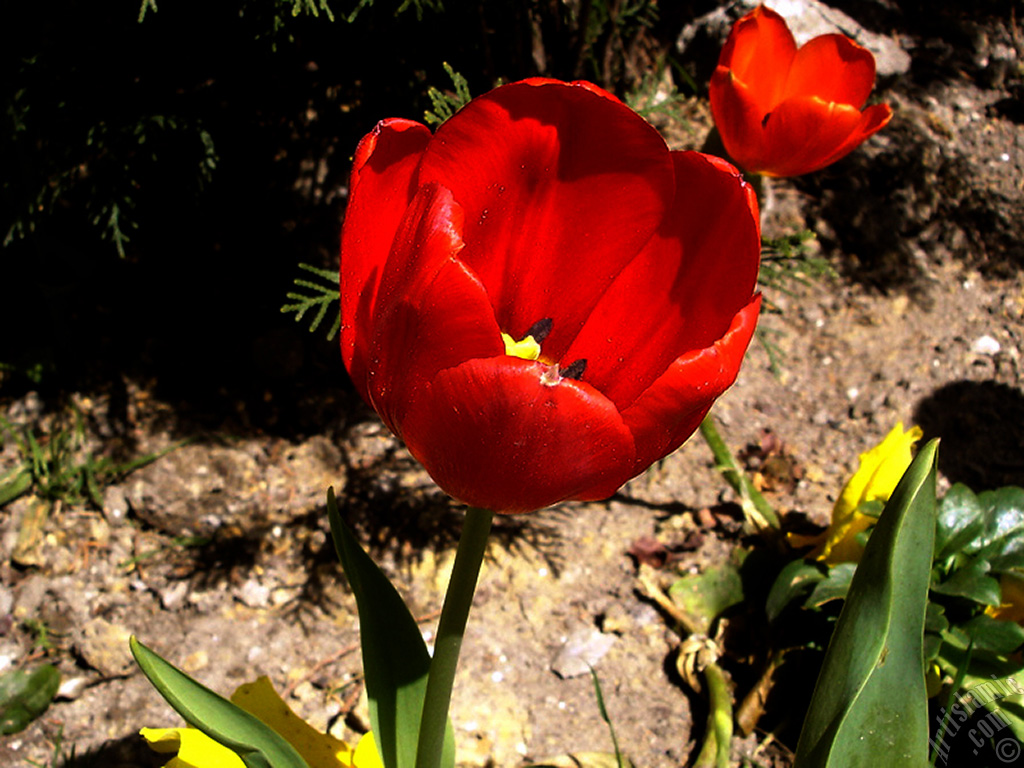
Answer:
(870, 698)
(795, 580)
(395, 658)
(25, 695)
(256, 743)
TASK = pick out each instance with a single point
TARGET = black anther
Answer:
(540, 329)
(574, 370)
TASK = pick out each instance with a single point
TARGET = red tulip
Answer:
(785, 111)
(550, 214)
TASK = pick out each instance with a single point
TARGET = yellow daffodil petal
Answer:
(1011, 607)
(880, 471)
(366, 755)
(195, 749)
(319, 750)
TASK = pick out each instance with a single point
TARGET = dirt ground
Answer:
(218, 556)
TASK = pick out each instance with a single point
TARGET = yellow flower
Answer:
(197, 750)
(880, 471)
(1011, 608)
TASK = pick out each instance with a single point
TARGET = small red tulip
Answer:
(541, 299)
(786, 111)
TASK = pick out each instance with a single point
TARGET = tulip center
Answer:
(528, 348)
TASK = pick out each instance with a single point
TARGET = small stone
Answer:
(580, 652)
(173, 596)
(71, 688)
(985, 345)
(104, 647)
(115, 503)
(254, 594)
(196, 662)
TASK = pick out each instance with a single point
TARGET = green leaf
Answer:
(988, 634)
(795, 580)
(395, 658)
(971, 581)
(835, 586)
(935, 618)
(445, 104)
(706, 595)
(981, 679)
(870, 698)
(1003, 511)
(960, 521)
(257, 744)
(25, 695)
(321, 295)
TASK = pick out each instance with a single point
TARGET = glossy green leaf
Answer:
(794, 581)
(833, 587)
(960, 521)
(395, 658)
(1003, 512)
(257, 744)
(870, 699)
(25, 695)
(971, 581)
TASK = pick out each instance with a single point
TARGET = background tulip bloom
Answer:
(541, 300)
(785, 111)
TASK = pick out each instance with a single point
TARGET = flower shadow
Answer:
(981, 424)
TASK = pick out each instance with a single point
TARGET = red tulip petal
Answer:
(562, 185)
(431, 313)
(803, 134)
(833, 68)
(672, 408)
(759, 53)
(379, 192)
(738, 116)
(492, 434)
(872, 120)
(683, 290)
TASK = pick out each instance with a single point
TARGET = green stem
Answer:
(756, 508)
(450, 630)
(718, 737)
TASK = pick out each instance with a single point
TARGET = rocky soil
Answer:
(217, 554)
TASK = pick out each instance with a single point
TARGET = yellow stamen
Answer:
(528, 348)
